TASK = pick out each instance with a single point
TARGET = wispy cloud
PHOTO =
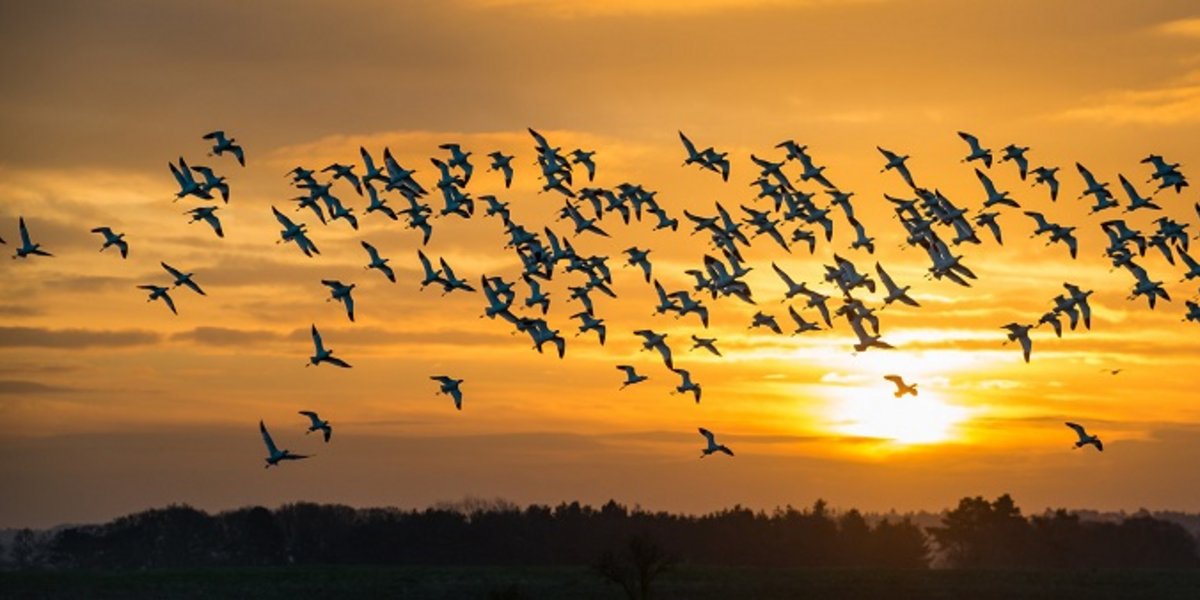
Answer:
(569, 9)
(40, 337)
(1166, 105)
(1181, 27)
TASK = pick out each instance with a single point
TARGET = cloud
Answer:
(224, 336)
(40, 337)
(1167, 105)
(13, 386)
(569, 9)
(1180, 27)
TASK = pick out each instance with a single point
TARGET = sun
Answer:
(874, 412)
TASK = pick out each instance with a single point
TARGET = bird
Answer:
(208, 214)
(686, 384)
(322, 355)
(294, 233)
(27, 246)
(896, 161)
(1084, 438)
(318, 424)
(378, 262)
(341, 292)
(712, 444)
(113, 239)
(502, 163)
(188, 186)
(709, 344)
(978, 152)
(901, 387)
(213, 182)
(1020, 333)
(450, 387)
(182, 278)
(222, 144)
(1046, 175)
(894, 292)
(157, 292)
(275, 455)
(631, 376)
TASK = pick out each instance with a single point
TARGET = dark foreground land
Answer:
(578, 583)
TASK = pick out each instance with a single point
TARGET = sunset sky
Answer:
(112, 405)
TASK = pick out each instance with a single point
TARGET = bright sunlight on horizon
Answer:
(881, 251)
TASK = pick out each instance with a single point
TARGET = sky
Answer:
(113, 405)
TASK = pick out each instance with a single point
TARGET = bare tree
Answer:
(635, 565)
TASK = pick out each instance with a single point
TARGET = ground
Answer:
(578, 583)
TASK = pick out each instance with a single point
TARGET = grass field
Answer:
(577, 583)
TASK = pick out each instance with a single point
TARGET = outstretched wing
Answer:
(896, 379)
(271, 449)
(316, 336)
(24, 232)
(688, 145)
(708, 435)
(316, 421)
(283, 220)
(1079, 430)
(176, 273)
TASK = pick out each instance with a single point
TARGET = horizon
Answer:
(115, 405)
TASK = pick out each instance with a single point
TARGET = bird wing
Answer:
(333, 360)
(371, 251)
(1079, 430)
(170, 303)
(271, 449)
(970, 139)
(217, 135)
(316, 421)
(887, 280)
(896, 379)
(708, 435)
(316, 336)
(688, 145)
(176, 273)
(457, 395)
(425, 264)
(283, 220)
(24, 232)
(787, 280)
(328, 432)
(988, 186)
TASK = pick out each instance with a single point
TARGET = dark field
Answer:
(577, 583)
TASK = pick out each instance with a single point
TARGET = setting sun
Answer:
(875, 413)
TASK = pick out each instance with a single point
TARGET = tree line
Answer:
(977, 533)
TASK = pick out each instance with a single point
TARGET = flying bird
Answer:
(318, 424)
(113, 239)
(222, 144)
(450, 387)
(378, 262)
(901, 387)
(978, 152)
(275, 455)
(182, 278)
(322, 355)
(1084, 438)
(27, 247)
(341, 292)
(631, 376)
(713, 446)
(157, 292)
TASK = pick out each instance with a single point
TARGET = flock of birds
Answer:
(933, 223)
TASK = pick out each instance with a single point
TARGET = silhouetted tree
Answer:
(635, 565)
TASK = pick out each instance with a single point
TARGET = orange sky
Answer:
(113, 405)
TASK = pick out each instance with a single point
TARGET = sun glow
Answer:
(876, 413)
